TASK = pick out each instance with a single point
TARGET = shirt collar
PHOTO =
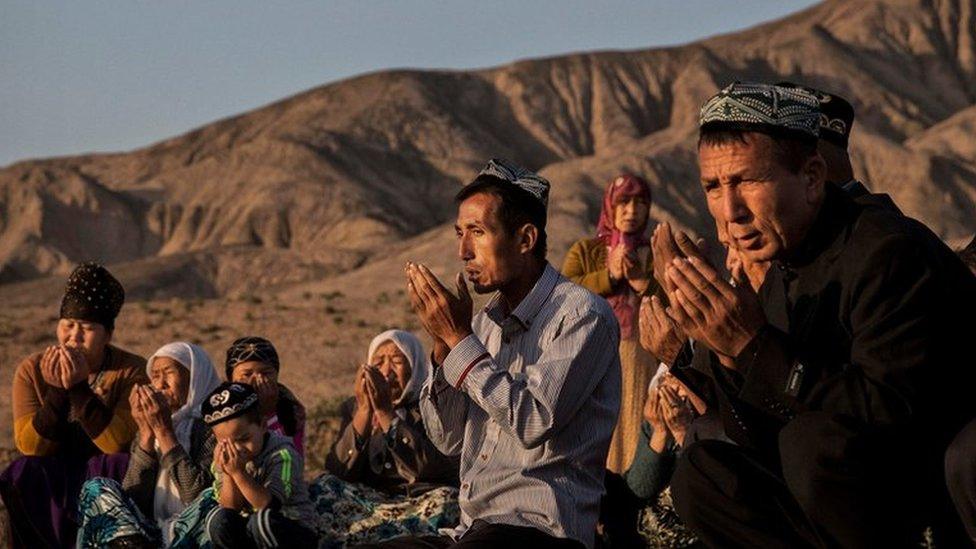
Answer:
(530, 305)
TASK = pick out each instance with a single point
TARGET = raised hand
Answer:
(617, 262)
(378, 392)
(709, 309)
(51, 367)
(267, 391)
(362, 418)
(235, 460)
(443, 315)
(157, 412)
(664, 251)
(145, 432)
(74, 367)
(658, 333)
(677, 413)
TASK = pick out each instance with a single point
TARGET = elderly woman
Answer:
(70, 409)
(171, 458)
(254, 361)
(387, 477)
(617, 265)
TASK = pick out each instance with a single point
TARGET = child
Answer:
(254, 360)
(257, 476)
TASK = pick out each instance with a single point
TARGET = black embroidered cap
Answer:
(92, 294)
(836, 115)
(763, 108)
(251, 348)
(227, 401)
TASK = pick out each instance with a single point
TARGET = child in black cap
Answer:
(258, 476)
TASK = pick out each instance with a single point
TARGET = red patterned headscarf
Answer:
(624, 301)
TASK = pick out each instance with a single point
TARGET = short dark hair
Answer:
(790, 151)
(518, 207)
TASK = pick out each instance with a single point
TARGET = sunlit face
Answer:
(246, 372)
(394, 366)
(172, 379)
(630, 213)
(765, 209)
(492, 256)
(90, 337)
(246, 435)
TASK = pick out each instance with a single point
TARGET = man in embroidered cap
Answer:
(526, 392)
(71, 402)
(838, 382)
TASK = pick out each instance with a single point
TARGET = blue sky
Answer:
(116, 75)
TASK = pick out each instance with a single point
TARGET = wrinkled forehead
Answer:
(388, 348)
(733, 159)
(162, 364)
(479, 209)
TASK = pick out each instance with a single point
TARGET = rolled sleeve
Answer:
(462, 359)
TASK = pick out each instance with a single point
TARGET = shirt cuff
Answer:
(462, 358)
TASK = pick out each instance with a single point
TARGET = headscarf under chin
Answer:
(203, 379)
(411, 347)
(624, 301)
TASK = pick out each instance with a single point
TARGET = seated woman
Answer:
(170, 464)
(403, 484)
(616, 264)
(254, 360)
(70, 403)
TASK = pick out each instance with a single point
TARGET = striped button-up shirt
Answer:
(529, 401)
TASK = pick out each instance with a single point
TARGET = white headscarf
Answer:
(203, 379)
(411, 347)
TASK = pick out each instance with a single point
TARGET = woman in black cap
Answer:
(254, 360)
(70, 403)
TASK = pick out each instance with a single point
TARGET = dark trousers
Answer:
(266, 528)
(484, 536)
(41, 495)
(960, 466)
(834, 485)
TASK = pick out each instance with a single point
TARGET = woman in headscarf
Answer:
(387, 478)
(170, 464)
(71, 412)
(254, 360)
(617, 265)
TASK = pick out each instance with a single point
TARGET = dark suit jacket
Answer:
(867, 320)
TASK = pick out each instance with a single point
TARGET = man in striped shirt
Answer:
(527, 393)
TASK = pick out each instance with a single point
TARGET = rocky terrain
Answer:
(293, 221)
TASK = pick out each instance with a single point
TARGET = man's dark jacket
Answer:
(871, 319)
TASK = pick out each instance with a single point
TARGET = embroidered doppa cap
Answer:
(251, 348)
(522, 178)
(836, 115)
(763, 108)
(92, 294)
(227, 401)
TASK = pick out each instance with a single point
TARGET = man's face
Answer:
(761, 207)
(492, 257)
(90, 337)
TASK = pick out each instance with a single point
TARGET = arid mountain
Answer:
(326, 181)
(293, 221)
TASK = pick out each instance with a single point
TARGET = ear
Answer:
(814, 176)
(528, 236)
